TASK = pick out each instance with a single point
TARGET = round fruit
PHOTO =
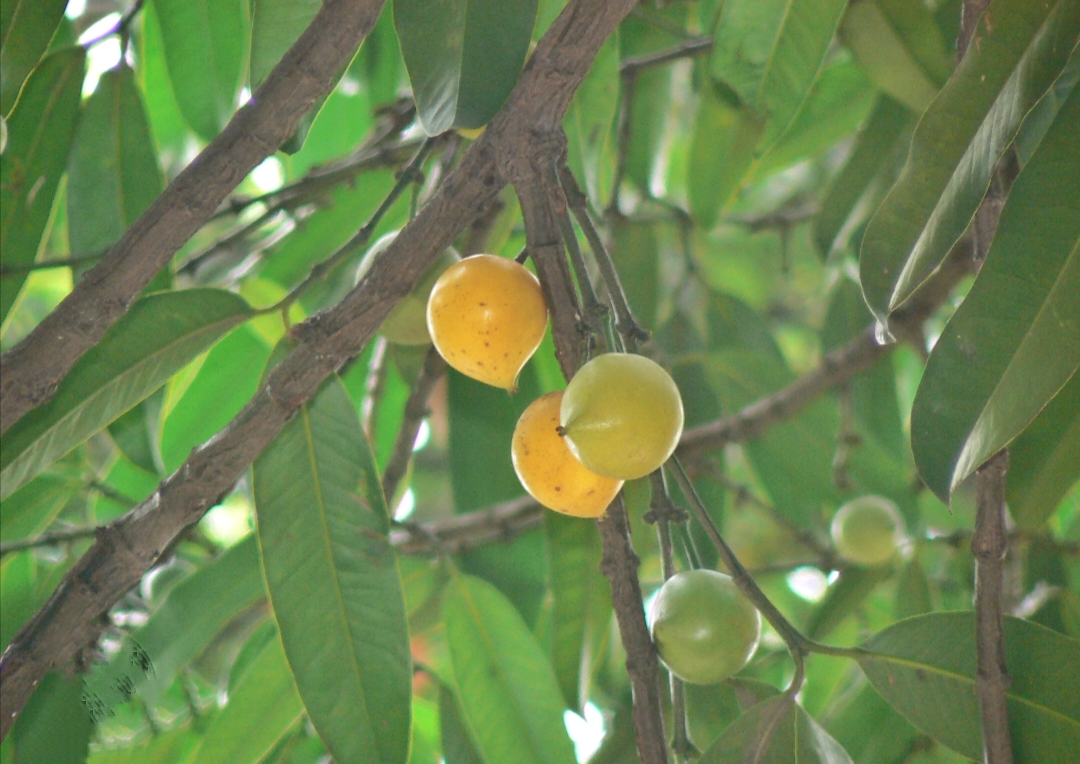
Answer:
(868, 530)
(550, 473)
(407, 322)
(704, 628)
(487, 315)
(622, 415)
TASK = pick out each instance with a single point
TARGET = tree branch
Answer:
(34, 367)
(416, 409)
(132, 544)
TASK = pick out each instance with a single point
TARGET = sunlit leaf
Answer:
(29, 510)
(775, 731)
(167, 123)
(54, 726)
(26, 26)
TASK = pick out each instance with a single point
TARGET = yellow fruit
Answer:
(407, 322)
(550, 473)
(487, 315)
(622, 415)
(868, 531)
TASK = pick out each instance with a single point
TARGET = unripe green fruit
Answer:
(704, 628)
(407, 322)
(868, 531)
(622, 415)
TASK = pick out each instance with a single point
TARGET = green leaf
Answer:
(588, 125)
(775, 731)
(925, 668)
(912, 591)
(113, 174)
(262, 707)
(175, 746)
(987, 378)
(957, 144)
(900, 47)
(40, 132)
(26, 26)
(870, 730)
(379, 61)
(463, 57)
(1044, 461)
(508, 691)
(29, 510)
(18, 584)
(635, 250)
(54, 726)
(711, 708)
(457, 744)
(333, 580)
(770, 52)
(166, 122)
(135, 433)
(152, 341)
(844, 597)
(205, 45)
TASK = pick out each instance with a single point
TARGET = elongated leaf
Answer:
(986, 378)
(26, 26)
(29, 510)
(166, 122)
(770, 53)
(775, 731)
(263, 706)
(333, 580)
(925, 668)
(39, 135)
(508, 691)
(636, 254)
(54, 726)
(588, 125)
(113, 174)
(175, 746)
(153, 340)
(1044, 462)
(457, 744)
(870, 730)
(957, 144)
(205, 45)
(463, 56)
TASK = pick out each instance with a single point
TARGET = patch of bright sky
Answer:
(75, 8)
(103, 56)
(229, 521)
(406, 506)
(423, 435)
(586, 731)
(808, 582)
(269, 175)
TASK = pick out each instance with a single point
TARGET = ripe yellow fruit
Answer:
(487, 315)
(622, 415)
(550, 473)
(868, 531)
(407, 322)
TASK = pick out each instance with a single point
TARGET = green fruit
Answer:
(407, 322)
(868, 531)
(622, 415)
(704, 628)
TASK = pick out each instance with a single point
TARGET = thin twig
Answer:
(373, 386)
(51, 538)
(692, 48)
(63, 262)
(415, 411)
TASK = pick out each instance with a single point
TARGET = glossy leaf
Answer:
(39, 135)
(588, 125)
(1044, 461)
(54, 726)
(958, 141)
(29, 510)
(152, 341)
(775, 731)
(166, 122)
(509, 695)
(113, 173)
(333, 580)
(26, 26)
(769, 53)
(463, 57)
(205, 44)
(989, 375)
(925, 667)
(711, 708)
(263, 706)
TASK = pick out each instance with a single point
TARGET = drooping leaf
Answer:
(54, 726)
(153, 340)
(987, 378)
(26, 26)
(775, 731)
(769, 53)
(925, 668)
(39, 135)
(588, 125)
(958, 141)
(205, 45)
(113, 174)
(29, 510)
(333, 579)
(463, 57)
(508, 691)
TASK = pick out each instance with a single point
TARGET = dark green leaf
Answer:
(508, 691)
(379, 61)
(18, 587)
(275, 26)
(39, 135)
(588, 124)
(457, 745)
(29, 510)
(135, 433)
(925, 668)
(26, 26)
(775, 731)
(711, 708)
(957, 144)
(463, 56)
(54, 726)
(113, 173)
(333, 579)
(152, 341)
(871, 731)
(205, 45)
(986, 379)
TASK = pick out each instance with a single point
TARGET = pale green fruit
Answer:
(622, 415)
(868, 531)
(407, 322)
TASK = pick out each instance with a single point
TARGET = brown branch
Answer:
(698, 46)
(416, 409)
(132, 544)
(34, 367)
(498, 523)
(51, 538)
